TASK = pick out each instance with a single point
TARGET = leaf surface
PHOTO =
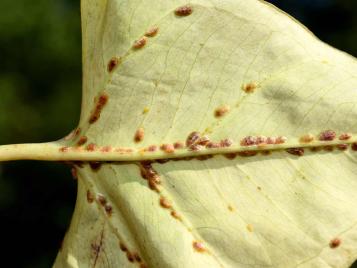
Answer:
(229, 70)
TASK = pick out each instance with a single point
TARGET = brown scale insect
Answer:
(280, 140)
(226, 143)
(167, 148)
(165, 203)
(113, 63)
(82, 140)
(140, 43)
(342, 147)
(204, 140)
(221, 111)
(230, 156)
(108, 209)
(250, 87)
(198, 246)
(183, 11)
(271, 140)
(192, 138)
(176, 215)
(327, 135)
(102, 101)
(195, 147)
(90, 197)
(152, 32)
(344, 136)
(91, 147)
(334, 243)
(248, 141)
(64, 149)
(354, 146)
(139, 135)
(130, 256)
(123, 247)
(101, 198)
(247, 153)
(95, 166)
(328, 148)
(296, 151)
(106, 149)
(306, 138)
(152, 148)
(178, 145)
(213, 145)
(137, 257)
(261, 140)
(143, 265)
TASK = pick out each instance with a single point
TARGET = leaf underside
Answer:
(273, 78)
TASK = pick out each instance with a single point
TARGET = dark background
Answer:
(40, 86)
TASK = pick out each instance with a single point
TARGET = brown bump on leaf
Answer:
(152, 31)
(248, 141)
(82, 140)
(296, 151)
(183, 11)
(74, 173)
(192, 138)
(64, 149)
(230, 156)
(204, 140)
(101, 199)
(101, 102)
(327, 135)
(152, 148)
(261, 140)
(123, 247)
(230, 208)
(281, 140)
(198, 246)
(221, 111)
(137, 257)
(250, 228)
(328, 148)
(90, 197)
(247, 153)
(195, 147)
(334, 243)
(165, 203)
(106, 149)
(271, 140)
(354, 146)
(306, 138)
(178, 145)
(140, 43)
(91, 147)
(108, 209)
(226, 142)
(153, 186)
(342, 147)
(130, 256)
(113, 63)
(213, 145)
(95, 166)
(167, 148)
(139, 135)
(344, 136)
(176, 215)
(250, 87)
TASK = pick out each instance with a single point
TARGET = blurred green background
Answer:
(40, 86)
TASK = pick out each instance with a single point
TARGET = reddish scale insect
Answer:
(140, 43)
(90, 197)
(213, 145)
(113, 63)
(106, 149)
(221, 111)
(167, 148)
(307, 138)
(261, 140)
(296, 151)
(123, 247)
(248, 141)
(280, 140)
(226, 143)
(178, 145)
(91, 147)
(344, 136)
(192, 138)
(82, 140)
(204, 140)
(334, 243)
(152, 32)
(152, 148)
(342, 147)
(95, 166)
(165, 203)
(198, 246)
(249, 88)
(183, 11)
(139, 135)
(195, 147)
(130, 256)
(354, 146)
(271, 140)
(176, 215)
(64, 149)
(327, 135)
(108, 209)
(101, 198)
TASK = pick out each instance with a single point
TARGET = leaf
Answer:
(238, 72)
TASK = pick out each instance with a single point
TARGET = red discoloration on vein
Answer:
(149, 174)
(97, 248)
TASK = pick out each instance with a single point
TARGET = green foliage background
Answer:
(40, 87)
